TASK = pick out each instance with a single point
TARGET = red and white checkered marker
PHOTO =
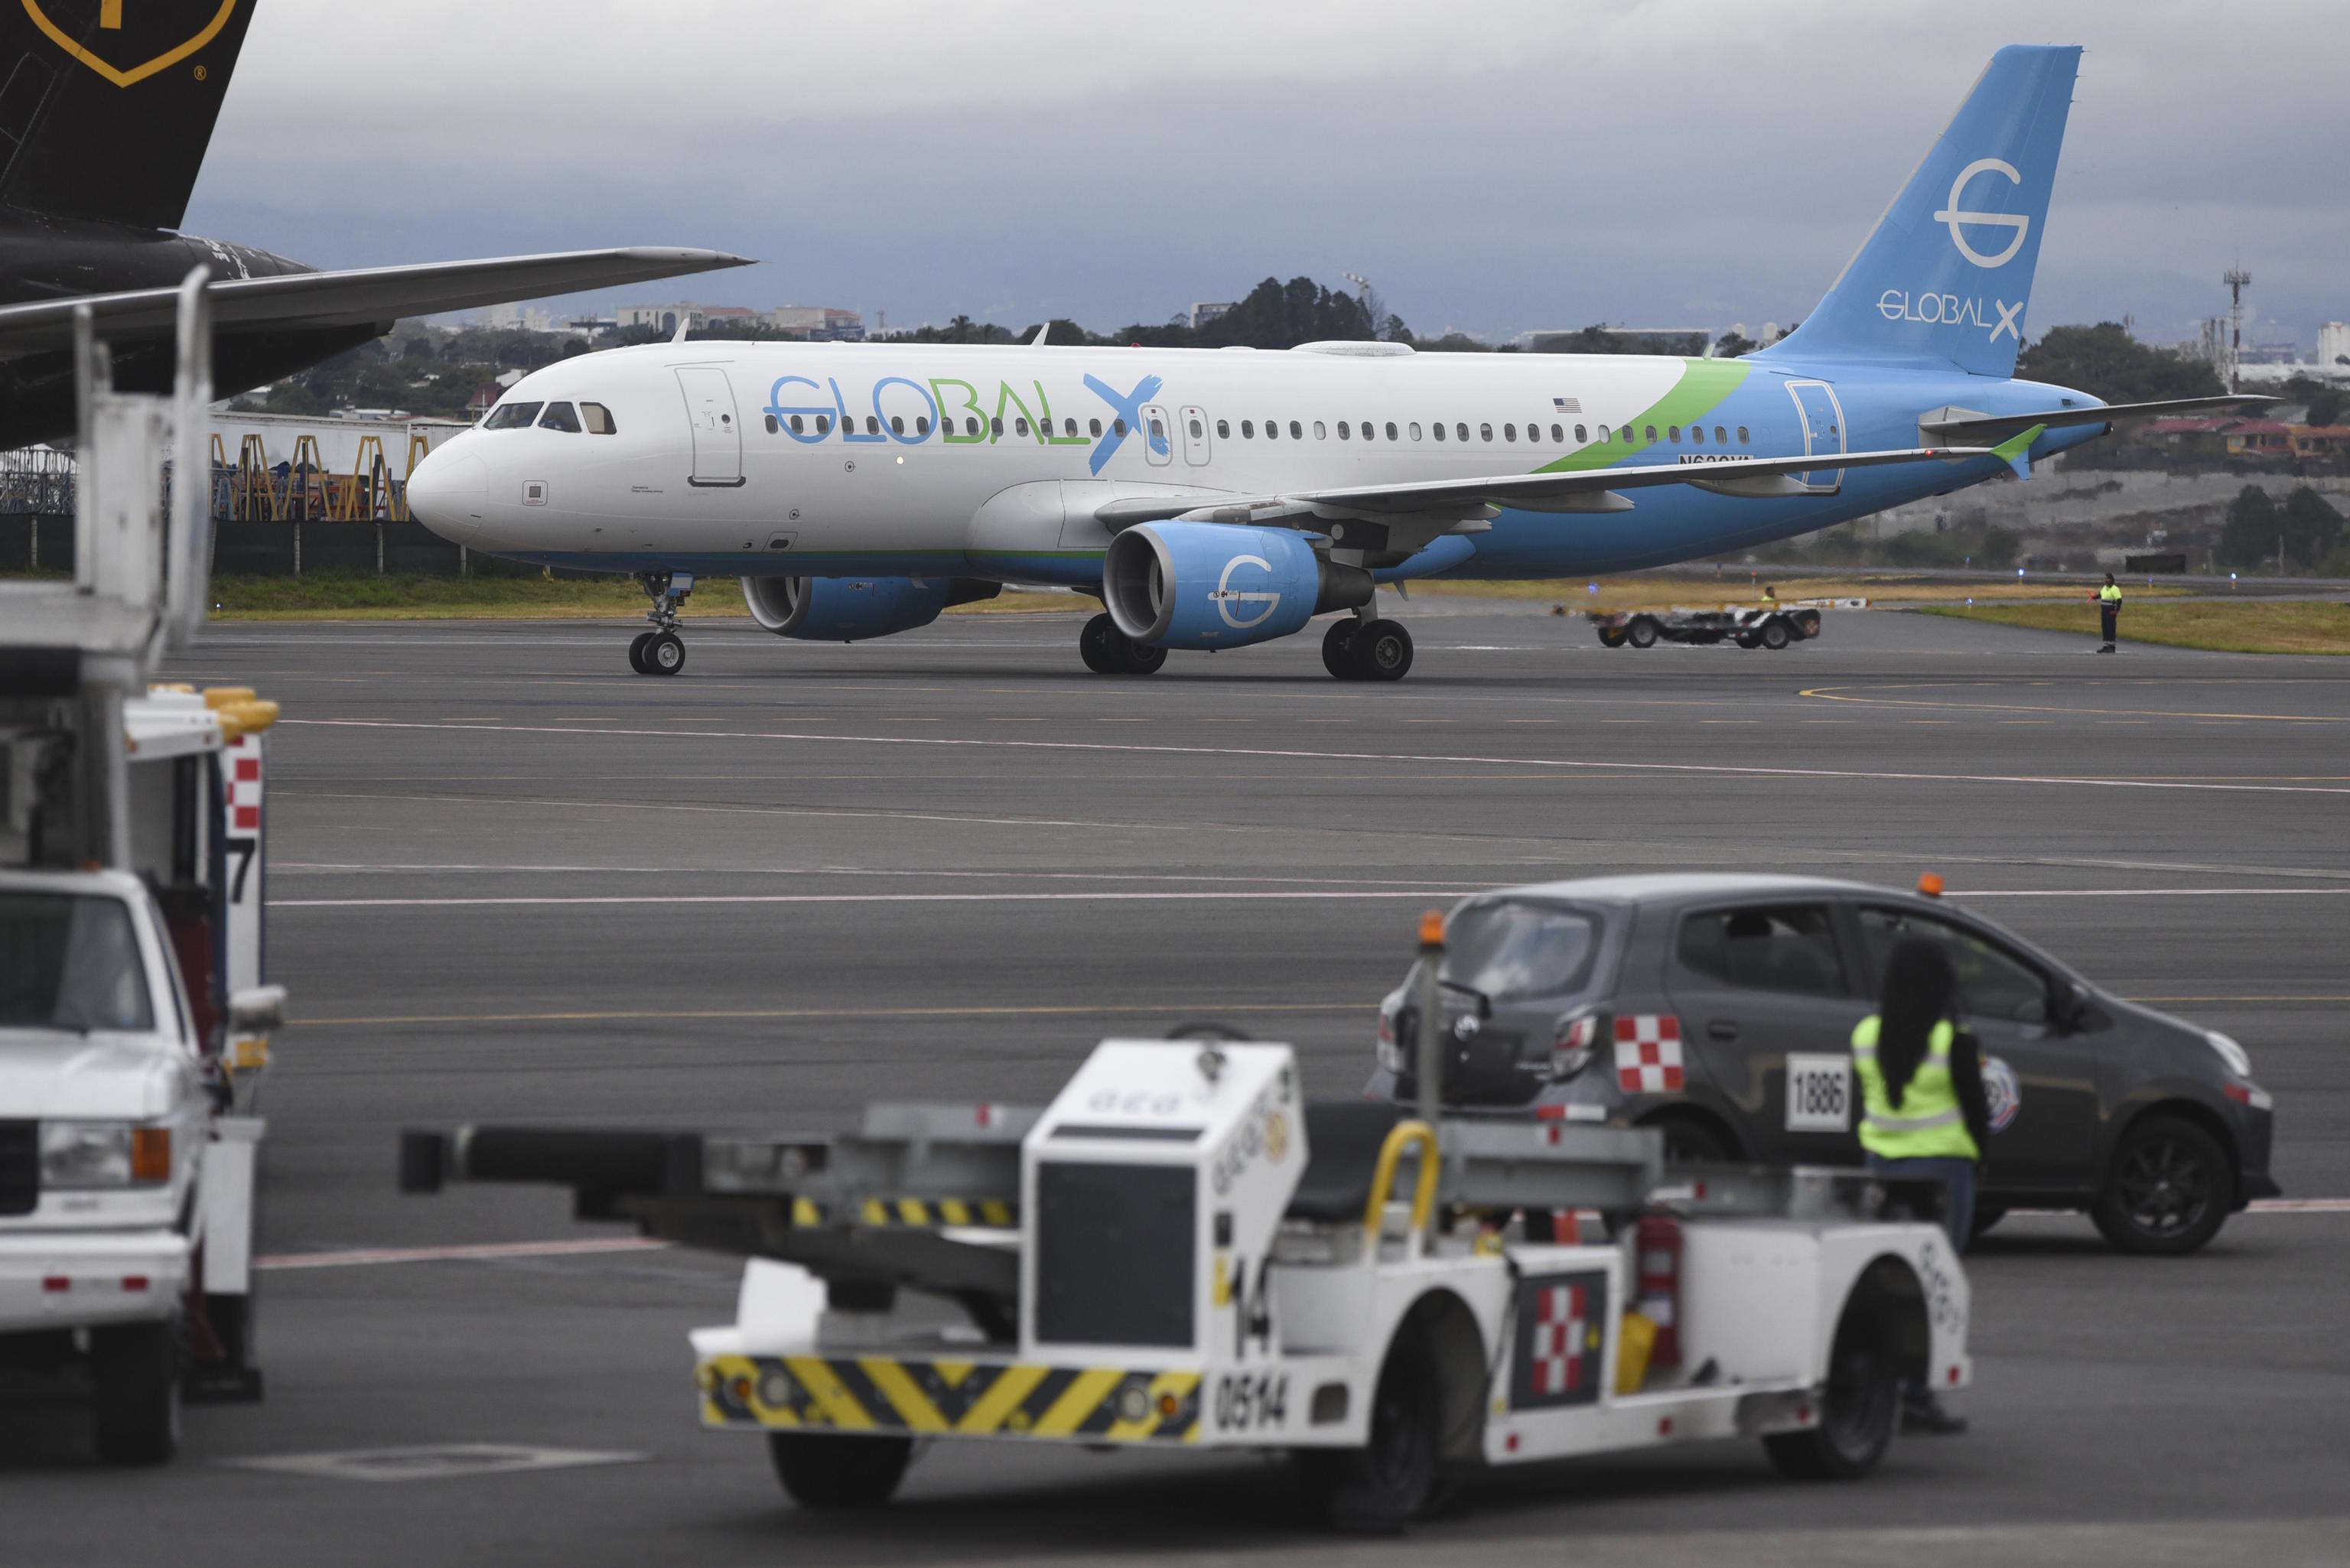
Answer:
(1556, 1361)
(1648, 1053)
(244, 782)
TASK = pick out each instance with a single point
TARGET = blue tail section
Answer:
(1944, 277)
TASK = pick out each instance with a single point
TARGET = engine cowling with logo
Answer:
(846, 610)
(1215, 584)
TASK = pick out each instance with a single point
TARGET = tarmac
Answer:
(512, 881)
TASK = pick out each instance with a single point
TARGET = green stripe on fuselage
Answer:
(1704, 386)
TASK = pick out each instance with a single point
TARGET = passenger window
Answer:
(1674, 434)
(922, 424)
(1248, 430)
(1463, 431)
(1094, 427)
(1069, 427)
(1391, 431)
(1993, 982)
(1370, 430)
(600, 421)
(1742, 435)
(1509, 433)
(1484, 433)
(1158, 431)
(824, 424)
(1788, 948)
(971, 425)
(1603, 434)
(1197, 430)
(1651, 430)
(1438, 429)
(1019, 427)
(1223, 430)
(1720, 437)
(1296, 431)
(872, 424)
(1415, 430)
(1341, 430)
(1579, 437)
(512, 416)
(772, 426)
(1697, 434)
(1272, 429)
(1319, 433)
(1119, 426)
(798, 428)
(995, 425)
(897, 424)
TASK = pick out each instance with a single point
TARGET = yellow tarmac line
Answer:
(722, 1014)
(1562, 765)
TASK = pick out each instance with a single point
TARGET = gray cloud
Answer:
(1492, 167)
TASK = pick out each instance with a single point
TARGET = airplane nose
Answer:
(447, 493)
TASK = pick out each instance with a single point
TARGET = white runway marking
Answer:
(1562, 765)
(1105, 895)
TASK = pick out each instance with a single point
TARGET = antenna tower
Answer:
(2237, 280)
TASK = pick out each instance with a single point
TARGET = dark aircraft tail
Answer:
(106, 106)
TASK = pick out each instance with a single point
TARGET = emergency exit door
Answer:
(717, 433)
(1197, 442)
(1158, 436)
(1823, 420)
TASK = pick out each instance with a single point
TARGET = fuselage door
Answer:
(717, 433)
(1196, 446)
(1823, 420)
(1158, 436)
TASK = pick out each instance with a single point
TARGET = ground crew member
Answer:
(1924, 1115)
(2109, 610)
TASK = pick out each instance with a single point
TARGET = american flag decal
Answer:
(1567, 405)
(1562, 1330)
(1648, 1053)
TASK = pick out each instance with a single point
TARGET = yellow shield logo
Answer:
(110, 20)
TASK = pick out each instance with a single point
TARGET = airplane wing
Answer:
(1587, 490)
(1960, 424)
(358, 296)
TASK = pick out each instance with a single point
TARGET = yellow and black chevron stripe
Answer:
(923, 1212)
(951, 1398)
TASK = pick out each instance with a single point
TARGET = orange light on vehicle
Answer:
(1931, 883)
(150, 1154)
(1431, 928)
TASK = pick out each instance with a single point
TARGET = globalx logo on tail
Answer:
(1935, 308)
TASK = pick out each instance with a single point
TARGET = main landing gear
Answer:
(1110, 651)
(1356, 649)
(661, 651)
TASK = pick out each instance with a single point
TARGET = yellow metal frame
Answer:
(1402, 1136)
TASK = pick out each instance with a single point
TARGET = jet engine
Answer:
(850, 610)
(1216, 585)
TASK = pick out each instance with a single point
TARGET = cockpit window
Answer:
(71, 960)
(600, 419)
(512, 416)
(1509, 950)
(560, 416)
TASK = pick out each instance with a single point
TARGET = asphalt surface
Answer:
(513, 882)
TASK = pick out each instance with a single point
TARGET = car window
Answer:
(1786, 947)
(71, 960)
(1509, 949)
(1993, 982)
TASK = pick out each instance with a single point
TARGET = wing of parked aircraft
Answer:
(358, 296)
(1586, 489)
(1958, 423)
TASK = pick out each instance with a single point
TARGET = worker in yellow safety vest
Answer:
(1924, 1115)
(2109, 610)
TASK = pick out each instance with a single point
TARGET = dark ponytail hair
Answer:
(1918, 986)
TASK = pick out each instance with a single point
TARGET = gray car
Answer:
(1720, 1008)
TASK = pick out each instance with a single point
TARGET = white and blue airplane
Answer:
(1214, 498)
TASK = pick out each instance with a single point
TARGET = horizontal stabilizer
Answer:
(359, 296)
(1997, 427)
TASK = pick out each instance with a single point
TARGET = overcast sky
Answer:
(1492, 167)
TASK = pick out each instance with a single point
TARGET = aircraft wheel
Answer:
(637, 652)
(1338, 648)
(1142, 658)
(665, 654)
(1381, 652)
(1642, 632)
(1097, 645)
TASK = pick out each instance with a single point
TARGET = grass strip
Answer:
(2246, 626)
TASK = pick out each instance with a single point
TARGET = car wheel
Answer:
(1611, 636)
(1389, 1482)
(2169, 1191)
(134, 1371)
(1641, 632)
(1858, 1407)
(821, 1470)
(1808, 623)
(1774, 634)
(1689, 1141)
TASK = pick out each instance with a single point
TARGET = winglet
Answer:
(685, 324)
(1042, 333)
(2016, 450)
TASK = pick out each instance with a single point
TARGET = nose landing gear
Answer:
(661, 651)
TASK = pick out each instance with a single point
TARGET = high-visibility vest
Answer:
(2109, 595)
(1928, 1123)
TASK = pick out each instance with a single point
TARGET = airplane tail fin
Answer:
(107, 106)
(1947, 272)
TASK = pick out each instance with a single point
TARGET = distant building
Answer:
(1683, 341)
(1205, 311)
(663, 317)
(2333, 346)
(818, 323)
